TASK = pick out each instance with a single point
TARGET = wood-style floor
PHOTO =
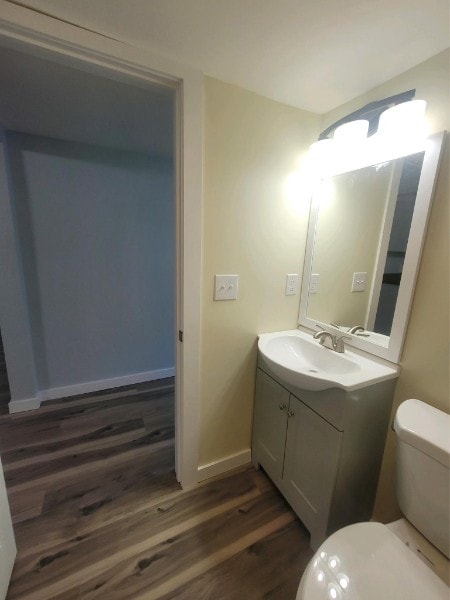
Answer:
(99, 514)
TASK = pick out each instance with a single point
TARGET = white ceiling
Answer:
(313, 54)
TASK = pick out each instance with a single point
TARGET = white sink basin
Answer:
(298, 359)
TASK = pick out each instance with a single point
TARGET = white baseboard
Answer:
(104, 384)
(218, 467)
(16, 406)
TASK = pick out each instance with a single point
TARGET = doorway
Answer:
(90, 168)
(186, 444)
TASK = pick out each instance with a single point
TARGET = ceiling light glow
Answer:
(401, 131)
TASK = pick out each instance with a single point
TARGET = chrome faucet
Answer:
(359, 331)
(337, 342)
(355, 329)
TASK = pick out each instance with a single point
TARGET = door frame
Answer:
(8, 548)
(28, 31)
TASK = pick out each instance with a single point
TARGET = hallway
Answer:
(98, 512)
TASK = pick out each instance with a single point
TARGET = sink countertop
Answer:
(297, 358)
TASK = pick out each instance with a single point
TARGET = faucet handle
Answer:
(339, 343)
(344, 337)
(331, 328)
(355, 329)
(321, 335)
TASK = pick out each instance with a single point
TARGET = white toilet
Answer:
(368, 561)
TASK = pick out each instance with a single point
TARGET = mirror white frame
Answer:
(392, 352)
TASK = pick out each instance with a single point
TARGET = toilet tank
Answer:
(423, 475)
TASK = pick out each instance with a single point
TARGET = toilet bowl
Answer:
(368, 561)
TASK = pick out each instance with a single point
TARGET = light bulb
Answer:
(352, 132)
(404, 120)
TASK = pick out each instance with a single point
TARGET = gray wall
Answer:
(95, 228)
(14, 314)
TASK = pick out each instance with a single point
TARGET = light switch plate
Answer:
(314, 283)
(359, 282)
(291, 284)
(226, 287)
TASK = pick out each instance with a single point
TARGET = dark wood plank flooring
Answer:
(98, 513)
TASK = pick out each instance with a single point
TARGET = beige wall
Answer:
(250, 227)
(425, 359)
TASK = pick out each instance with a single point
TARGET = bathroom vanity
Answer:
(322, 449)
(321, 415)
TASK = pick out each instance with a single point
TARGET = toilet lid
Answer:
(367, 561)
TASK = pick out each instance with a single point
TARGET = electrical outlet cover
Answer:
(226, 287)
(359, 282)
(291, 284)
(314, 283)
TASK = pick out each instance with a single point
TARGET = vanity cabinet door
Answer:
(311, 465)
(269, 425)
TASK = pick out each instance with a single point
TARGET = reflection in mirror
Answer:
(398, 241)
(360, 239)
(366, 232)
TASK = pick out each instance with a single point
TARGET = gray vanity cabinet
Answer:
(323, 450)
(271, 418)
(311, 463)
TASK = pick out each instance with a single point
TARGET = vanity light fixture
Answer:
(349, 140)
(401, 130)
(319, 160)
(406, 120)
(321, 149)
(354, 132)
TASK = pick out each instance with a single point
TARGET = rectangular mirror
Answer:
(365, 237)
